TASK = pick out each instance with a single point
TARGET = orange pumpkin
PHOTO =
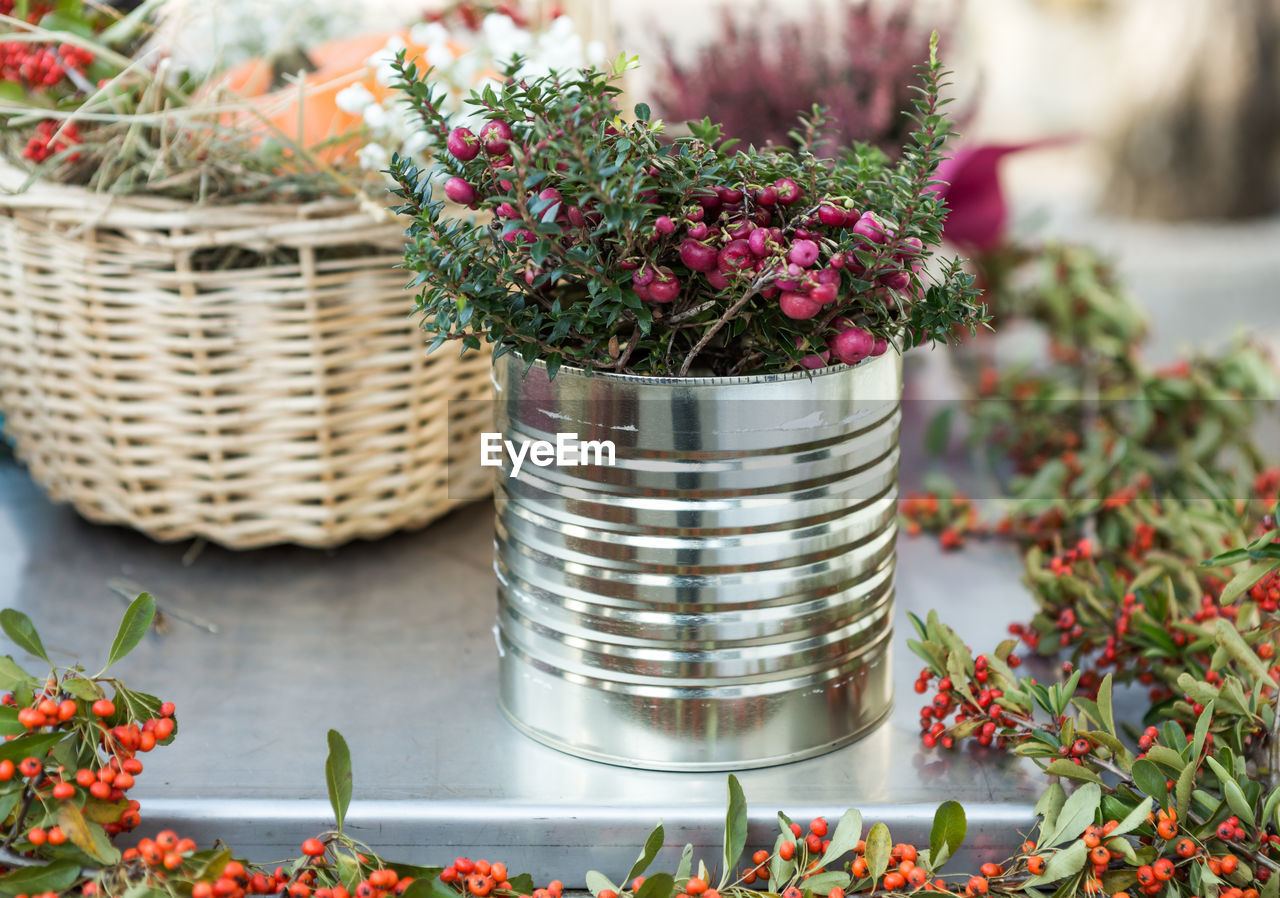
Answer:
(320, 126)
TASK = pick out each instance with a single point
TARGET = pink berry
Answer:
(803, 253)
(895, 280)
(495, 135)
(698, 231)
(664, 225)
(852, 345)
(644, 277)
(729, 196)
(521, 236)
(767, 196)
(880, 346)
(823, 293)
(838, 260)
(576, 218)
(870, 227)
(505, 210)
(760, 242)
(735, 256)
(831, 216)
(798, 306)
(717, 280)
(698, 256)
(910, 246)
(459, 191)
(788, 191)
(813, 359)
(463, 144)
(665, 287)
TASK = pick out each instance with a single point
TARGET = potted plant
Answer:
(728, 323)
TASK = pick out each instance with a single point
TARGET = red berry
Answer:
(313, 848)
(495, 135)
(104, 707)
(463, 144)
(460, 191)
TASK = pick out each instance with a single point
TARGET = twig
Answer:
(746, 297)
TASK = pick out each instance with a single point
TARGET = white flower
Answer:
(373, 157)
(415, 143)
(429, 34)
(439, 55)
(383, 61)
(596, 53)
(354, 99)
(376, 116)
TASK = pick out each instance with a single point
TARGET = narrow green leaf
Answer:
(686, 863)
(1050, 805)
(1077, 772)
(947, 833)
(1106, 716)
(1245, 580)
(54, 877)
(18, 627)
(735, 829)
(659, 885)
(32, 744)
(1062, 864)
(1233, 643)
(937, 435)
(1150, 781)
(597, 882)
(844, 839)
(1203, 722)
(83, 689)
(1077, 813)
(879, 850)
(822, 883)
(1162, 754)
(1182, 790)
(12, 675)
(652, 846)
(337, 775)
(1136, 817)
(135, 625)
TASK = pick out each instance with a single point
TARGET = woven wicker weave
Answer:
(282, 395)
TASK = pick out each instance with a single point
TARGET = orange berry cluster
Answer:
(482, 878)
(952, 518)
(165, 852)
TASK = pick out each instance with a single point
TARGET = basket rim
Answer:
(79, 205)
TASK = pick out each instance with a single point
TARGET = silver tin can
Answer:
(720, 597)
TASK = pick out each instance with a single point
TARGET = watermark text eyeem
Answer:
(566, 452)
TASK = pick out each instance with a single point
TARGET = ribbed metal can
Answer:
(721, 595)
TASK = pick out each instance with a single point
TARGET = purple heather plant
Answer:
(760, 72)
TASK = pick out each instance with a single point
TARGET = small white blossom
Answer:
(354, 99)
(373, 157)
(376, 116)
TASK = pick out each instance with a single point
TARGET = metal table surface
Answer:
(391, 643)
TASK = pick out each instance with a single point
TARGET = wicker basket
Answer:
(282, 395)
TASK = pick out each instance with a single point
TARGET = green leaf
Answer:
(18, 627)
(652, 846)
(12, 675)
(1065, 768)
(1203, 722)
(32, 744)
(822, 883)
(879, 850)
(686, 863)
(659, 885)
(85, 690)
(947, 834)
(1162, 754)
(844, 839)
(1229, 639)
(597, 882)
(1231, 791)
(88, 837)
(1182, 790)
(735, 829)
(1106, 716)
(1077, 813)
(55, 877)
(137, 621)
(1245, 580)
(1050, 806)
(1062, 864)
(337, 775)
(643, 112)
(1135, 818)
(1150, 780)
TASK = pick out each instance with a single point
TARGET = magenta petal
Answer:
(977, 213)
